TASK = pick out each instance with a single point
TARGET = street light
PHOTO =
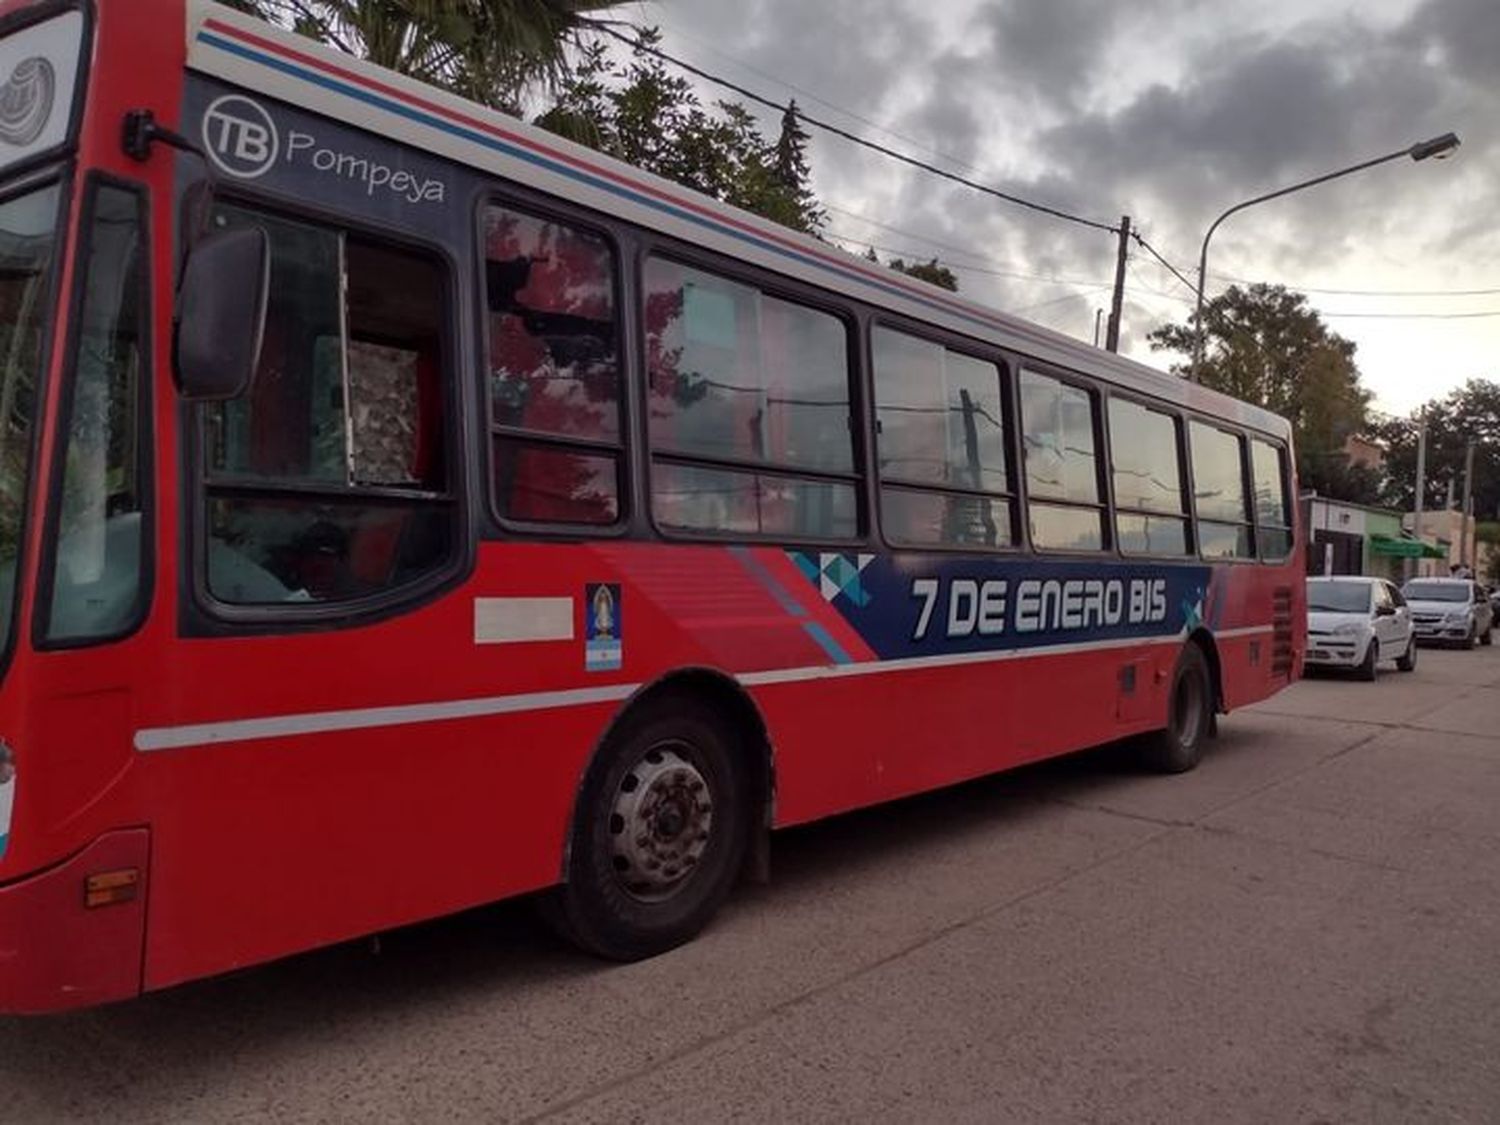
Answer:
(1439, 147)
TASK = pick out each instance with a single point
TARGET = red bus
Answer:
(402, 508)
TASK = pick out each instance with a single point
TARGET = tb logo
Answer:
(240, 136)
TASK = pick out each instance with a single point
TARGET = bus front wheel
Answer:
(659, 834)
(1190, 709)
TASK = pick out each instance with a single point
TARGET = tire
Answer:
(1407, 661)
(1367, 666)
(659, 835)
(1190, 707)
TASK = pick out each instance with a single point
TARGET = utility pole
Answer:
(1465, 550)
(1112, 334)
(1421, 483)
(1098, 315)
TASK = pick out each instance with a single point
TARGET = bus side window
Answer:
(751, 419)
(1065, 503)
(554, 370)
(97, 570)
(1272, 516)
(328, 480)
(1219, 498)
(944, 477)
(1151, 509)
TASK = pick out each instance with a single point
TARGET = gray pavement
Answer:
(1306, 928)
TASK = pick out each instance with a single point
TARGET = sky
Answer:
(1169, 111)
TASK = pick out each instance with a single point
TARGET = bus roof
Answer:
(249, 53)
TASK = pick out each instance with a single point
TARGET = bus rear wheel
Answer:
(1190, 708)
(659, 835)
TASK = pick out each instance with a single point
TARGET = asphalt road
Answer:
(1307, 928)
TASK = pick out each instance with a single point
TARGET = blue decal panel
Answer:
(931, 605)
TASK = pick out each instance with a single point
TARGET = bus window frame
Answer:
(1005, 369)
(1242, 435)
(20, 20)
(41, 618)
(556, 210)
(782, 289)
(1184, 472)
(1284, 466)
(217, 618)
(66, 178)
(1098, 392)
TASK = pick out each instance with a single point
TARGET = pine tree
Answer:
(793, 173)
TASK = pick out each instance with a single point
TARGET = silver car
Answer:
(1450, 611)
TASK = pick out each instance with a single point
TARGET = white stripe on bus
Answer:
(365, 718)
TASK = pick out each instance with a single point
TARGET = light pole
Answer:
(1437, 146)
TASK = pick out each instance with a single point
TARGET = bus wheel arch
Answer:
(1194, 695)
(1205, 641)
(674, 800)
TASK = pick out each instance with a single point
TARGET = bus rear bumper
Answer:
(59, 952)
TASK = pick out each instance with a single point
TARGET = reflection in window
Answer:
(1219, 493)
(1145, 446)
(297, 550)
(97, 576)
(1267, 463)
(27, 223)
(327, 479)
(698, 498)
(1058, 426)
(1223, 541)
(1151, 535)
(740, 374)
(941, 424)
(928, 518)
(1055, 528)
(554, 370)
(553, 361)
(940, 415)
(737, 375)
(556, 484)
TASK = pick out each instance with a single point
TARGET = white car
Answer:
(1450, 610)
(1356, 622)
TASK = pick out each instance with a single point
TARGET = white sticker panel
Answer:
(7, 799)
(499, 621)
(38, 73)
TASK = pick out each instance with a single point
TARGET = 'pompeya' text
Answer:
(970, 607)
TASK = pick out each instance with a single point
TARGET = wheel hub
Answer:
(660, 823)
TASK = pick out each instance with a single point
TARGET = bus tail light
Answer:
(107, 888)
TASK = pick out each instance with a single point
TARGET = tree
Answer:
(793, 174)
(490, 51)
(1266, 346)
(930, 271)
(1470, 414)
(645, 116)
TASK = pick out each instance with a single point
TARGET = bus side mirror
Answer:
(221, 314)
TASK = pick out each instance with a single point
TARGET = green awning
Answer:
(1405, 548)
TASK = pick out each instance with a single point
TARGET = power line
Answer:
(966, 268)
(1327, 291)
(1146, 246)
(811, 96)
(1408, 316)
(855, 138)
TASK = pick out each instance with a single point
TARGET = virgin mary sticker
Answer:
(7, 794)
(602, 638)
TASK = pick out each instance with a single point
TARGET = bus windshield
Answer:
(27, 225)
